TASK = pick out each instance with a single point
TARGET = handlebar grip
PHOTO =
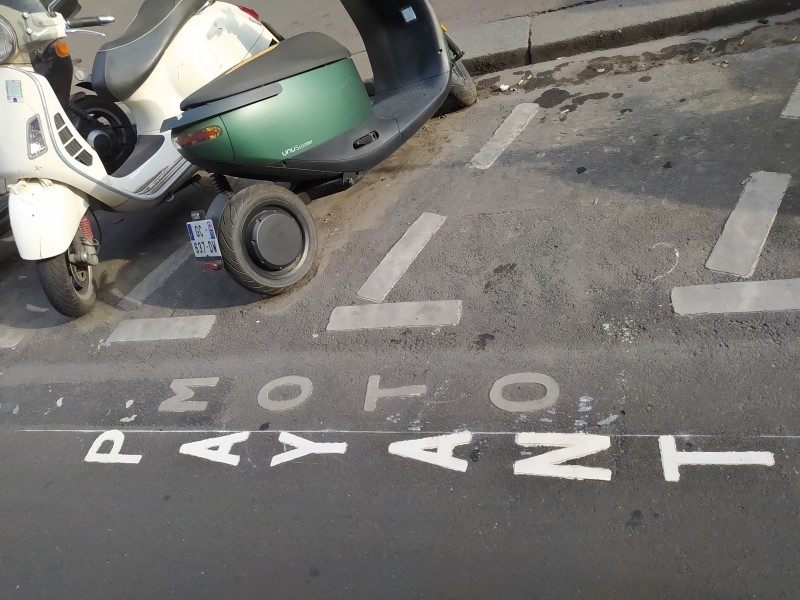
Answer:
(89, 22)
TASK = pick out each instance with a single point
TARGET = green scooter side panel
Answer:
(313, 108)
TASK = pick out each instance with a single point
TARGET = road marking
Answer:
(739, 297)
(182, 400)
(399, 259)
(403, 314)
(113, 456)
(573, 446)
(792, 110)
(304, 385)
(746, 231)
(155, 279)
(552, 391)
(304, 448)
(374, 393)
(510, 129)
(671, 459)
(11, 337)
(216, 449)
(154, 330)
(444, 445)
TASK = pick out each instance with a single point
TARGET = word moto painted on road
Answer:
(439, 451)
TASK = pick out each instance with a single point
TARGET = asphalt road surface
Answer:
(272, 455)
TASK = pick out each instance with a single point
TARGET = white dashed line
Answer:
(739, 247)
(11, 337)
(400, 257)
(740, 297)
(404, 314)
(792, 110)
(153, 330)
(514, 124)
(155, 279)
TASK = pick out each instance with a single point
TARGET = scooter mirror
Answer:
(67, 8)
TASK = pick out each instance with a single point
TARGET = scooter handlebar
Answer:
(89, 22)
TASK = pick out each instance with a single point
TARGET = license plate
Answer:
(203, 237)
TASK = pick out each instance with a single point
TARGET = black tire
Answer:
(237, 239)
(69, 288)
(462, 88)
(96, 113)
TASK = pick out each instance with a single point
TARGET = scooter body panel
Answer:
(44, 217)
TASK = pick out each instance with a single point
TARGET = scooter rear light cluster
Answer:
(250, 12)
(185, 140)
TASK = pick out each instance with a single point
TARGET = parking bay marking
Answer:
(11, 337)
(402, 314)
(155, 279)
(738, 249)
(738, 297)
(792, 110)
(154, 330)
(508, 131)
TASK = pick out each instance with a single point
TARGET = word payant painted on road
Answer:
(439, 451)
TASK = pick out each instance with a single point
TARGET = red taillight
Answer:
(250, 12)
(196, 137)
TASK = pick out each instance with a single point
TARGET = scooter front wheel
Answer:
(267, 238)
(70, 288)
(463, 89)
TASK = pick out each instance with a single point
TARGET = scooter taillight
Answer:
(250, 12)
(196, 137)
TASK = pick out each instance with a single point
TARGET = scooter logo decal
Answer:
(297, 148)
(14, 91)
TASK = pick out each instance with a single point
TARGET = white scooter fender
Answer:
(44, 217)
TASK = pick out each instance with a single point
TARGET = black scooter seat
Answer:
(293, 56)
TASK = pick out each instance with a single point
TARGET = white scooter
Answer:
(64, 155)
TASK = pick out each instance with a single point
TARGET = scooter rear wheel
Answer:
(463, 89)
(267, 238)
(70, 288)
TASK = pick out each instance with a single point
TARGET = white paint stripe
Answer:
(514, 124)
(155, 279)
(739, 297)
(404, 314)
(153, 330)
(11, 337)
(672, 460)
(400, 257)
(739, 247)
(792, 110)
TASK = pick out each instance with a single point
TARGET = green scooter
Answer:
(299, 114)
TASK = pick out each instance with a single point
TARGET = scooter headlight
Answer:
(8, 40)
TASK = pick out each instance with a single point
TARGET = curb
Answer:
(543, 43)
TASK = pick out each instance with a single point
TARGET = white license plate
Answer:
(203, 237)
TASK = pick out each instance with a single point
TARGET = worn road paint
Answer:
(181, 401)
(739, 247)
(155, 279)
(216, 449)
(792, 110)
(443, 445)
(672, 460)
(306, 388)
(113, 456)
(304, 448)
(550, 397)
(514, 125)
(399, 259)
(155, 330)
(404, 314)
(11, 337)
(374, 392)
(573, 446)
(739, 297)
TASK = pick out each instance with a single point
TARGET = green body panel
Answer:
(313, 108)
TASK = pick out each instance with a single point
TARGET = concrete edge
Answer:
(638, 33)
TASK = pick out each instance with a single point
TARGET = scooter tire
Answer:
(463, 90)
(68, 295)
(236, 243)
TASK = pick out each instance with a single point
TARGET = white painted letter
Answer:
(374, 392)
(183, 392)
(114, 456)
(573, 446)
(444, 446)
(671, 459)
(216, 449)
(304, 448)
(306, 389)
(551, 394)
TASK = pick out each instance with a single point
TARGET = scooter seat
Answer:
(122, 66)
(293, 56)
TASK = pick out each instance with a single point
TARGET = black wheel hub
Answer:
(276, 239)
